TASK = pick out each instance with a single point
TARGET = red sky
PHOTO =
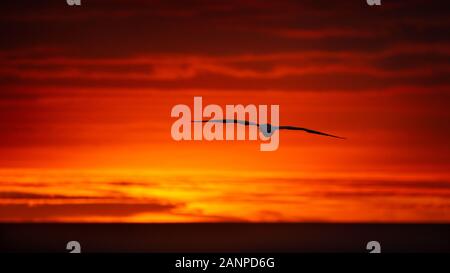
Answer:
(86, 94)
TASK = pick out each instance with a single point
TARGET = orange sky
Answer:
(86, 94)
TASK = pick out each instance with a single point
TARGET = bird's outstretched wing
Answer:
(243, 122)
(308, 131)
(246, 123)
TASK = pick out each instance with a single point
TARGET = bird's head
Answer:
(267, 129)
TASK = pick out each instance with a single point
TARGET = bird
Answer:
(267, 129)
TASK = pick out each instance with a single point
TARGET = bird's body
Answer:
(267, 129)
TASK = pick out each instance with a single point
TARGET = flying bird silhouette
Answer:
(268, 129)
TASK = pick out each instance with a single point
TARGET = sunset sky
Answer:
(86, 94)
